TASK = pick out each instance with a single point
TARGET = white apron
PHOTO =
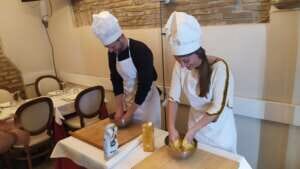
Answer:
(220, 134)
(150, 110)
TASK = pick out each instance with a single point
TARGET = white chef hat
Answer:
(184, 33)
(106, 27)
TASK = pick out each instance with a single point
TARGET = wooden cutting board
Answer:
(94, 133)
(199, 160)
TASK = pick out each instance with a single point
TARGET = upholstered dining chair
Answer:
(48, 83)
(35, 117)
(87, 105)
(5, 96)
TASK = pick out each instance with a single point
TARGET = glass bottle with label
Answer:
(148, 137)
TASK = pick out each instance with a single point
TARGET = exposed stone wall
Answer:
(10, 76)
(146, 13)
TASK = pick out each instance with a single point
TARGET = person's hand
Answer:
(173, 135)
(128, 116)
(189, 136)
(118, 115)
(130, 111)
(123, 120)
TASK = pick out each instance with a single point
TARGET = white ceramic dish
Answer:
(5, 104)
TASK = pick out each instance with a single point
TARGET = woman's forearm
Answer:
(171, 115)
(204, 121)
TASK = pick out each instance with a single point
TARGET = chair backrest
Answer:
(35, 116)
(89, 101)
(5, 96)
(46, 84)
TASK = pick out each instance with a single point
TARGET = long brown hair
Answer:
(204, 71)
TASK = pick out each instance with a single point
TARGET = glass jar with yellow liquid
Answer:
(148, 137)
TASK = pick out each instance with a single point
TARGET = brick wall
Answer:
(146, 13)
(10, 76)
(286, 4)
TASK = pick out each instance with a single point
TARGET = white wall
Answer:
(66, 39)
(23, 38)
(281, 56)
(296, 97)
(244, 47)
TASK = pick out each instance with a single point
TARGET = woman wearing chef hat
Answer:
(132, 72)
(207, 83)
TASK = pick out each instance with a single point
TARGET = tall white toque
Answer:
(184, 33)
(106, 27)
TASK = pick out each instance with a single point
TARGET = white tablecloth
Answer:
(90, 157)
(62, 105)
(6, 113)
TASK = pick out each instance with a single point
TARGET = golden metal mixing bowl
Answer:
(180, 154)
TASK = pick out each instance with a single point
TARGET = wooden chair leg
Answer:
(28, 156)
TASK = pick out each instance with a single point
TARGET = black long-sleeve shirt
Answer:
(142, 58)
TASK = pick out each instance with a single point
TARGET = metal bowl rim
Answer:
(177, 154)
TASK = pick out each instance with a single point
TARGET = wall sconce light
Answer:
(43, 10)
(167, 1)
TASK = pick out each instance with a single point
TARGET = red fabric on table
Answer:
(64, 163)
(59, 132)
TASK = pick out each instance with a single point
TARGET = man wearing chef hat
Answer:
(131, 70)
(207, 83)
